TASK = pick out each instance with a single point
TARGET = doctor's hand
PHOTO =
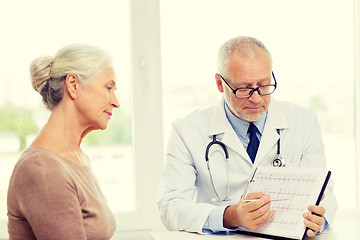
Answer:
(314, 219)
(251, 215)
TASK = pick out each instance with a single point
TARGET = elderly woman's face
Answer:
(97, 100)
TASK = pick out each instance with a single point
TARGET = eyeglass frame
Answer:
(252, 89)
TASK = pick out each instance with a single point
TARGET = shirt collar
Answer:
(240, 126)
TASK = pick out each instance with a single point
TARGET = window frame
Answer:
(357, 94)
(146, 115)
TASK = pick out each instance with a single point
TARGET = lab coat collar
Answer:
(219, 123)
(276, 119)
(220, 126)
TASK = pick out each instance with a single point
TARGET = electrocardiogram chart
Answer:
(295, 187)
(300, 187)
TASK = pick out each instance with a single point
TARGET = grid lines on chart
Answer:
(297, 187)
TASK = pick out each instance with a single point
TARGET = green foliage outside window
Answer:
(118, 131)
(19, 120)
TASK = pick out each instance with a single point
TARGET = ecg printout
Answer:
(301, 186)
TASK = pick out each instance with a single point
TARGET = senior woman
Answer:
(53, 193)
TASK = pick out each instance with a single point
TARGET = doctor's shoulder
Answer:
(296, 113)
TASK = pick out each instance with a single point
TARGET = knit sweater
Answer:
(50, 197)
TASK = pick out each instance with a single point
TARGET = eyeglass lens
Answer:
(262, 90)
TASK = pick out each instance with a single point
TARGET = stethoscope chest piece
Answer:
(278, 162)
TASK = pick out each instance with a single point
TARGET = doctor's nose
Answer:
(255, 97)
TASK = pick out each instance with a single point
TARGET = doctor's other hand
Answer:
(251, 215)
(314, 219)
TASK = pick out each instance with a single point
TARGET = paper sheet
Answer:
(301, 185)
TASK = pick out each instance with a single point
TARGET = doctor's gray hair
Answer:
(244, 45)
(48, 73)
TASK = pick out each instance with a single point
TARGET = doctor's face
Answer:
(251, 71)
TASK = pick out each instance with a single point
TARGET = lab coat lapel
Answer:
(275, 120)
(220, 126)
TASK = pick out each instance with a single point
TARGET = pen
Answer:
(248, 185)
(272, 200)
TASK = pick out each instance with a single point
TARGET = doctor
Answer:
(196, 199)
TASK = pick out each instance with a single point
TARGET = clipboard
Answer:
(302, 186)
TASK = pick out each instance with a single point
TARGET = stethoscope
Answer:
(277, 162)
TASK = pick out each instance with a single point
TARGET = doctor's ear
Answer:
(72, 84)
(219, 83)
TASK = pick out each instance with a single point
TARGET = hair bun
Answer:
(48, 74)
(40, 70)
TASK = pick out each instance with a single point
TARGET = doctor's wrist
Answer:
(230, 217)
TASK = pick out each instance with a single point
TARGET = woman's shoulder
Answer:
(37, 156)
(39, 163)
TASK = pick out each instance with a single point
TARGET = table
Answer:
(346, 226)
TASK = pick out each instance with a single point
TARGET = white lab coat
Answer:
(185, 197)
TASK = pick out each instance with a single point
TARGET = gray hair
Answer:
(244, 46)
(48, 73)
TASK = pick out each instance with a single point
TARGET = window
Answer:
(313, 62)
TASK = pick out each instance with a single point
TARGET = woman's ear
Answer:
(72, 84)
(219, 82)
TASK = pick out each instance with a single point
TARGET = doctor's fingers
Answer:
(260, 220)
(257, 203)
(251, 211)
(259, 212)
(256, 195)
(314, 219)
(313, 222)
(265, 218)
(317, 210)
(313, 228)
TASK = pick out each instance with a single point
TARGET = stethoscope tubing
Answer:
(213, 142)
(277, 162)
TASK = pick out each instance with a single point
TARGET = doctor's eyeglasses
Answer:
(248, 92)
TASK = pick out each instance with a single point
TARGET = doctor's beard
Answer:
(249, 118)
(245, 116)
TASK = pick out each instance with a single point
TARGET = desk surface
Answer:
(345, 226)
